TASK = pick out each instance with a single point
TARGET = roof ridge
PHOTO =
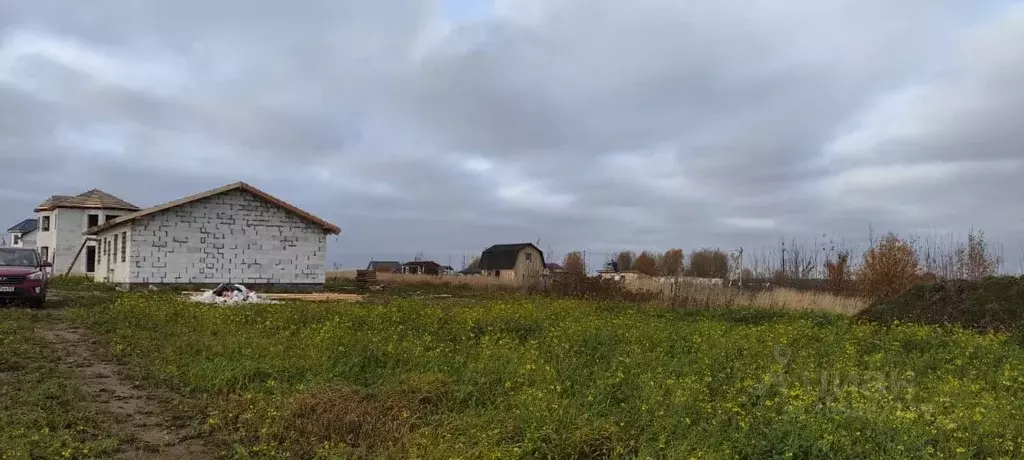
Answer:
(213, 192)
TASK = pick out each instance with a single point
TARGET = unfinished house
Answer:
(23, 235)
(235, 233)
(385, 266)
(513, 261)
(421, 267)
(60, 221)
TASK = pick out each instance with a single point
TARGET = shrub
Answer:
(573, 263)
(708, 263)
(577, 286)
(646, 264)
(992, 304)
(625, 260)
(671, 263)
(889, 268)
(838, 272)
(973, 261)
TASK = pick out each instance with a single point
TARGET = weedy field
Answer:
(41, 410)
(526, 377)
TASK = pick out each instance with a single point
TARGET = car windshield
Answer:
(18, 258)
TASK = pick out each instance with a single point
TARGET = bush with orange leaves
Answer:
(838, 271)
(889, 268)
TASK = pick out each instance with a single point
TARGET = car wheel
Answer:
(37, 303)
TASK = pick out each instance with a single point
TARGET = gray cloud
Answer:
(587, 124)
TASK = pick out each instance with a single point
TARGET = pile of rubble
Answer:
(230, 294)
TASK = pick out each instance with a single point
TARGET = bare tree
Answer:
(645, 263)
(573, 263)
(671, 263)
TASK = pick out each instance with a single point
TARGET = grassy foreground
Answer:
(521, 377)
(41, 409)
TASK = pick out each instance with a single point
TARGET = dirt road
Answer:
(152, 433)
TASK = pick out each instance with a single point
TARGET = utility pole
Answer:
(741, 267)
(783, 257)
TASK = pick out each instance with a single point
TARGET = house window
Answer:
(110, 217)
(115, 247)
(44, 252)
(529, 257)
(44, 223)
(124, 245)
(94, 220)
(16, 240)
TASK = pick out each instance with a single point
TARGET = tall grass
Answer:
(684, 294)
(679, 294)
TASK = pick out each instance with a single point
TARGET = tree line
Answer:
(703, 263)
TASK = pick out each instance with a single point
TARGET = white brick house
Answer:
(235, 233)
(60, 221)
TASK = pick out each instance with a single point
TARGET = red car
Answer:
(23, 276)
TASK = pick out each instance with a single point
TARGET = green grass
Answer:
(521, 377)
(41, 413)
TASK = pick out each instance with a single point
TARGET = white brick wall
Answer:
(234, 236)
(68, 225)
(65, 236)
(109, 267)
(25, 241)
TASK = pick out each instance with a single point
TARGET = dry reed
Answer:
(675, 294)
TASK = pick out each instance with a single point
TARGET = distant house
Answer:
(385, 266)
(554, 268)
(447, 270)
(513, 261)
(626, 275)
(421, 267)
(23, 235)
(61, 221)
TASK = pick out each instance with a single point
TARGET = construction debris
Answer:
(366, 280)
(230, 294)
(271, 298)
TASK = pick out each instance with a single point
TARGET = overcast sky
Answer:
(447, 126)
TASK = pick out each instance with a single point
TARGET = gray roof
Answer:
(25, 226)
(393, 265)
(504, 256)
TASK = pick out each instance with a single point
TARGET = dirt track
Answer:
(135, 413)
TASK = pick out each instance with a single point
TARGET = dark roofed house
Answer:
(554, 268)
(385, 266)
(518, 261)
(421, 267)
(23, 235)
